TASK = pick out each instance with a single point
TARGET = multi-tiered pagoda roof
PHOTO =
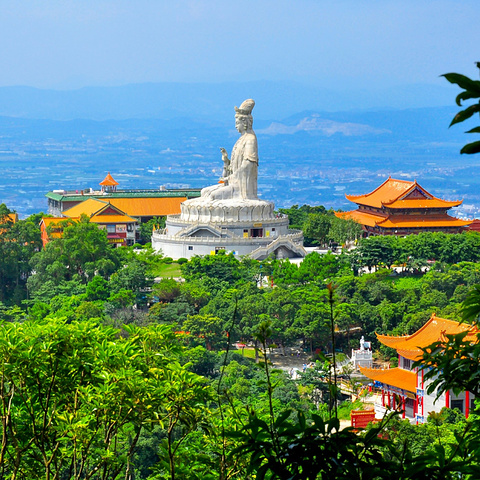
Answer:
(399, 207)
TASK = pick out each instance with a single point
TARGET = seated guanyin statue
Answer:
(240, 172)
(234, 198)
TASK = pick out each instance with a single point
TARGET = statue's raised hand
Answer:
(224, 154)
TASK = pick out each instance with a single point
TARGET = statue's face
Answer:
(241, 123)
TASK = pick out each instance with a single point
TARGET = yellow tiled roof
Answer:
(396, 377)
(88, 207)
(53, 220)
(149, 206)
(12, 217)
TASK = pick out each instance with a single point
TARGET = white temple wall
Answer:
(188, 250)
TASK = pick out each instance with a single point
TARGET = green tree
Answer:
(147, 228)
(18, 243)
(82, 253)
(317, 228)
(208, 327)
(75, 397)
(342, 231)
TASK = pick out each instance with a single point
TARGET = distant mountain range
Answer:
(427, 124)
(275, 100)
(152, 135)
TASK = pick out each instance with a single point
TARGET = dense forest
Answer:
(121, 364)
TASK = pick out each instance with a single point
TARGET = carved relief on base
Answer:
(199, 210)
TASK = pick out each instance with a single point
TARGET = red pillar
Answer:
(447, 398)
(403, 406)
(383, 398)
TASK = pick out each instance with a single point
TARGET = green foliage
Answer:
(223, 267)
(146, 228)
(471, 90)
(415, 250)
(82, 253)
(18, 243)
(77, 396)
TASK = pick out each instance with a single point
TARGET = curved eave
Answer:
(396, 377)
(422, 221)
(363, 218)
(433, 330)
(423, 203)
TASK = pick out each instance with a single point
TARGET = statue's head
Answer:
(243, 115)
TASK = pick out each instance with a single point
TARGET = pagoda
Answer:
(400, 207)
(109, 184)
(404, 387)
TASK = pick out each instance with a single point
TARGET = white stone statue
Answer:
(240, 172)
(234, 198)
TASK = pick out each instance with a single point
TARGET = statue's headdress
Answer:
(246, 107)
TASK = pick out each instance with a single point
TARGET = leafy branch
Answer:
(471, 90)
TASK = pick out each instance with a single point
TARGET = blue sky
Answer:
(336, 44)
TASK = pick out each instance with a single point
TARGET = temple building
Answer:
(404, 387)
(140, 204)
(120, 227)
(400, 207)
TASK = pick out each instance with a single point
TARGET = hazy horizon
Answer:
(65, 44)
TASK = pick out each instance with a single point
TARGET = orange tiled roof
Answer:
(389, 191)
(423, 203)
(53, 220)
(372, 219)
(424, 221)
(396, 377)
(149, 206)
(395, 194)
(112, 219)
(364, 218)
(109, 181)
(433, 331)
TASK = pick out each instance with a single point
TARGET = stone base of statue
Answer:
(230, 216)
(243, 228)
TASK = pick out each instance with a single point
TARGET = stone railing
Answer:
(296, 237)
(265, 250)
(176, 220)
